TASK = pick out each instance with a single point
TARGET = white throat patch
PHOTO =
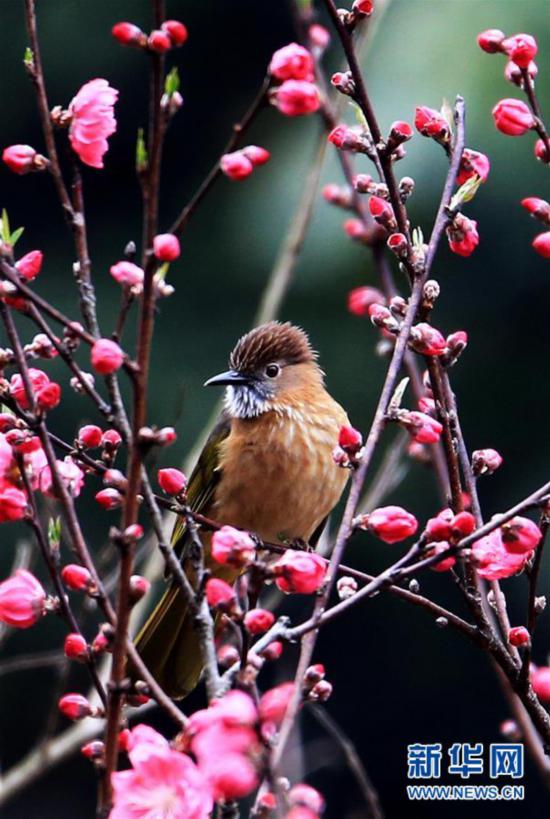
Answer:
(245, 402)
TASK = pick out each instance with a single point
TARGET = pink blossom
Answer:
(230, 545)
(19, 158)
(30, 264)
(541, 244)
(13, 502)
(360, 299)
(70, 474)
(390, 523)
(127, 273)
(171, 480)
(437, 549)
(273, 703)
(166, 247)
(540, 680)
(6, 455)
(521, 49)
(518, 636)
(473, 163)
(493, 560)
(256, 621)
(292, 62)
(162, 783)
(491, 40)
(520, 535)
(106, 356)
(22, 600)
(93, 121)
(296, 98)
(513, 117)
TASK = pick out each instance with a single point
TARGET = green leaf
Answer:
(418, 238)
(142, 157)
(28, 58)
(172, 82)
(5, 226)
(397, 397)
(360, 117)
(466, 192)
(54, 531)
(16, 235)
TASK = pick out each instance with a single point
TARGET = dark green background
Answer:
(397, 679)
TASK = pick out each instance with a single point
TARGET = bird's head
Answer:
(273, 367)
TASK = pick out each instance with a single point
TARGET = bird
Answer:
(266, 468)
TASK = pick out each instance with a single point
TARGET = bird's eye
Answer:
(272, 370)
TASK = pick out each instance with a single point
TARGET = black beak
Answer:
(229, 378)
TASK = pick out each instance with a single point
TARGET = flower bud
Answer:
(159, 41)
(236, 166)
(109, 498)
(94, 750)
(462, 525)
(75, 706)
(347, 139)
(513, 117)
(521, 49)
(30, 264)
(540, 680)
(166, 436)
(127, 273)
(382, 212)
(299, 572)
(305, 796)
(337, 195)
(111, 439)
(361, 298)
(219, 594)
(107, 357)
(357, 230)
(520, 535)
(431, 123)
(391, 524)
(227, 655)
(485, 461)
(176, 31)
(343, 82)
(22, 600)
(456, 344)
(102, 642)
(363, 183)
(400, 132)
(426, 340)
(139, 587)
(491, 40)
(273, 704)
(472, 163)
(232, 546)
(363, 8)
(519, 636)
(319, 36)
(296, 98)
(256, 621)
(256, 154)
(462, 235)
(542, 152)
(172, 481)
(422, 428)
(292, 62)
(539, 208)
(510, 729)
(166, 247)
(273, 651)
(350, 439)
(89, 436)
(541, 244)
(346, 587)
(76, 577)
(128, 34)
(320, 692)
(76, 647)
(22, 159)
(439, 548)
(515, 75)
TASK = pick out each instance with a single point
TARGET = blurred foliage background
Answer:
(397, 678)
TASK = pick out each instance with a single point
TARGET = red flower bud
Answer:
(306, 796)
(462, 235)
(400, 132)
(30, 264)
(257, 621)
(256, 154)
(350, 439)
(219, 593)
(436, 549)
(292, 62)
(20, 158)
(90, 436)
(519, 636)
(398, 244)
(319, 36)
(485, 461)
(541, 151)
(361, 298)
(520, 535)
(541, 243)
(227, 655)
(356, 230)
(273, 651)
(166, 247)
(109, 498)
(176, 31)
(75, 706)
(514, 73)
(363, 7)
(439, 528)
(107, 357)
(13, 503)
(230, 545)
(76, 577)
(391, 524)
(431, 123)
(127, 273)
(463, 525)
(473, 163)
(236, 166)
(512, 117)
(300, 572)
(491, 40)
(172, 481)
(111, 439)
(296, 98)
(76, 647)
(521, 49)
(93, 750)
(422, 428)
(139, 587)
(539, 208)
(159, 41)
(22, 600)
(48, 396)
(363, 183)
(382, 211)
(426, 340)
(346, 139)
(128, 34)
(540, 680)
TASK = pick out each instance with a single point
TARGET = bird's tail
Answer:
(169, 645)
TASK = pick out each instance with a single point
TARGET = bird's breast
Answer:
(278, 478)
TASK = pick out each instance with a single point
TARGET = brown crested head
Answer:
(271, 343)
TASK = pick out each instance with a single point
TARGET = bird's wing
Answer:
(204, 478)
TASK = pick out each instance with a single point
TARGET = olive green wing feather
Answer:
(204, 479)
